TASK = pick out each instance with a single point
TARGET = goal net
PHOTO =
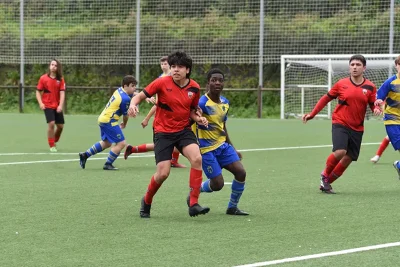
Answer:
(305, 78)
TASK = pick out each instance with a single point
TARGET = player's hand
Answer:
(122, 125)
(133, 110)
(377, 111)
(151, 100)
(306, 117)
(42, 106)
(239, 154)
(199, 111)
(59, 109)
(144, 123)
(378, 102)
(202, 121)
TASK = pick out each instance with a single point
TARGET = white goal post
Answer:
(305, 78)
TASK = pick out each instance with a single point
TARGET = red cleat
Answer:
(177, 165)
(128, 151)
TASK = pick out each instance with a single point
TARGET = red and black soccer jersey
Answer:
(353, 100)
(51, 90)
(174, 103)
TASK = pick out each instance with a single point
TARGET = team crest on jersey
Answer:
(190, 95)
(365, 91)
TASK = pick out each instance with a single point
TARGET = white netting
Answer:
(212, 31)
(305, 80)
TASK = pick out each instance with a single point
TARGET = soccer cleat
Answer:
(325, 186)
(53, 149)
(236, 211)
(196, 209)
(128, 151)
(109, 167)
(177, 165)
(395, 165)
(375, 159)
(82, 159)
(144, 209)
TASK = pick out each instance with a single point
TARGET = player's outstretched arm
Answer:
(133, 107)
(322, 102)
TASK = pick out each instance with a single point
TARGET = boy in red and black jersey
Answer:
(177, 100)
(50, 95)
(354, 95)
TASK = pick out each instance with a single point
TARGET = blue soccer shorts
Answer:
(112, 134)
(215, 160)
(393, 131)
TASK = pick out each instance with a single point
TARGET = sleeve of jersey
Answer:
(153, 88)
(62, 85)
(372, 99)
(226, 115)
(384, 90)
(202, 104)
(40, 86)
(116, 104)
(325, 99)
(196, 98)
(124, 106)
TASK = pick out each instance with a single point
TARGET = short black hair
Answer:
(214, 71)
(359, 58)
(128, 79)
(182, 59)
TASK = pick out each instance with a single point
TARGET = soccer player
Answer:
(110, 129)
(354, 94)
(150, 147)
(50, 95)
(215, 145)
(178, 97)
(381, 149)
(389, 91)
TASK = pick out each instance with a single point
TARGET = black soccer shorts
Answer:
(347, 139)
(53, 115)
(164, 143)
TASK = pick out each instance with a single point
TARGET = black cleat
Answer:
(145, 209)
(236, 211)
(128, 151)
(109, 167)
(325, 186)
(82, 159)
(196, 209)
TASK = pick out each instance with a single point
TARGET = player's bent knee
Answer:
(240, 175)
(217, 184)
(51, 124)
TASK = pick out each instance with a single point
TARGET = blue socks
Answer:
(96, 148)
(237, 190)
(111, 157)
(205, 186)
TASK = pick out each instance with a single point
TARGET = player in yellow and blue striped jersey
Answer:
(390, 93)
(110, 129)
(216, 147)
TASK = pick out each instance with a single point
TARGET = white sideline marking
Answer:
(321, 255)
(62, 160)
(145, 155)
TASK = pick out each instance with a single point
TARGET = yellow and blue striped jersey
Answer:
(390, 90)
(216, 113)
(117, 106)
